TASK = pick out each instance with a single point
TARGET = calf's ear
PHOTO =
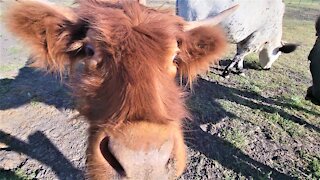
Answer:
(44, 28)
(199, 48)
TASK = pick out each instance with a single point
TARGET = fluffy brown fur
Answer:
(42, 26)
(126, 88)
(199, 48)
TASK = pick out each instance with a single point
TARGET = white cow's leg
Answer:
(237, 58)
(243, 48)
(240, 67)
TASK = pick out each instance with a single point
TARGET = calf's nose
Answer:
(145, 163)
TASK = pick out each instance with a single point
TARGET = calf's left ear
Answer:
(44, 27)
(199, 48)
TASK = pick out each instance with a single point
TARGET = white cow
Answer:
(256, 26)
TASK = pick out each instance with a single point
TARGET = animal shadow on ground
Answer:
(205, 97)
(7, 174)
(34, 86)
(42, 149)
(246, 65)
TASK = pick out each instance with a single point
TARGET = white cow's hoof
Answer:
(242, 74)
(226, 76)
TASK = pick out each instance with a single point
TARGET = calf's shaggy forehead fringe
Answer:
(119, 20)
(140, 40)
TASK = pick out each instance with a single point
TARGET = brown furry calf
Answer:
(129, 56)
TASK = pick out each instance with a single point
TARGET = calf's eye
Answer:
(88, 49)
(179, 42)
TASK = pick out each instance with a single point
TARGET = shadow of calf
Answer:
(33, 86)
(214, 91)
(42, 149)
(229, 156)
(206, 108)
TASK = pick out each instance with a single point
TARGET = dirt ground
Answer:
(253, 127)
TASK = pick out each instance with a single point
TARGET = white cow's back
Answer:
(252, 16)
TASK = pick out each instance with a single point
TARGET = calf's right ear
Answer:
(45, 29)
(199, 48)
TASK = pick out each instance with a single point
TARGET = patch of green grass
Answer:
(235, 137)
(313, 4)
(293, 129)
(255, 88)
(297, 105)
(227, 175)
(9, 67)
(23, 175)
(301, 32)
(314, 167)
(296, 101)
(266, 176)
(17, 174)
(34, 103)
(35, 100)
(14, 50)
(313, 164)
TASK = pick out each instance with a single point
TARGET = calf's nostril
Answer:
(110, 158)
